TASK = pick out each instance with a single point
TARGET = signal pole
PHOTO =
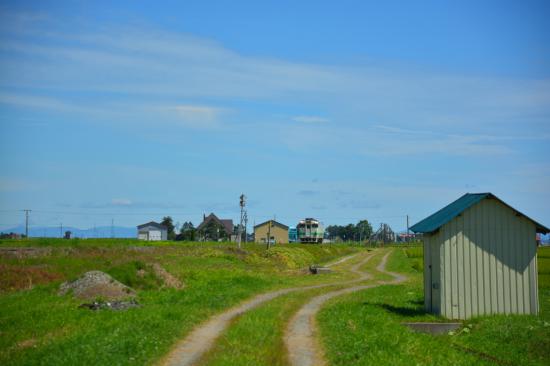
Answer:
(242, 203)
(27, 222)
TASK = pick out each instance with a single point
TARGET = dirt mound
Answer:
(169, 280)
(96, 284)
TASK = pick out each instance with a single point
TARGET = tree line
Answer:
(350, 232)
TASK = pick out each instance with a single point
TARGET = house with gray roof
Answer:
(152, 231)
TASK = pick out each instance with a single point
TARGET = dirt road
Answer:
(301, 336)
(301, 330)
(189, 351)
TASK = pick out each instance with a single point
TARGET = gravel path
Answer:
(189, 351)
(301, 334)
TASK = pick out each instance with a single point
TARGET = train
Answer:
(310, 230)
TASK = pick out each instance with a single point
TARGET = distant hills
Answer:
(54, 232)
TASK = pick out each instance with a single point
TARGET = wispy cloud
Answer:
(146, 75)
(310, 119)
(198, 116)
(121, 202)
(146, 66)
(307, 192)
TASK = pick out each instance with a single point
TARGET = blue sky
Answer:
(342, 111)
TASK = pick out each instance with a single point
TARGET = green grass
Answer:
(38, 327)
(365, 328)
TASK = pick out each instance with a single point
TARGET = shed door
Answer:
(155, 235)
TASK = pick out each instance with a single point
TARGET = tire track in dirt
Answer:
(301, 335)
(189, 351)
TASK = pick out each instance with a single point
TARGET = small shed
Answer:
(278, 232)
(480, 258)
(152, 231)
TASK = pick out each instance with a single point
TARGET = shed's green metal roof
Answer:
(449, 212)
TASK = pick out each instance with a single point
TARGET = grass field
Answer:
(38, 327)
(365, 328)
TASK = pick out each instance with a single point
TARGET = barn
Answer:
(480, 258)
(278, 232)
(152, 231)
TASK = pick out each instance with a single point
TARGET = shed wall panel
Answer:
(436, 274)
(446, 274)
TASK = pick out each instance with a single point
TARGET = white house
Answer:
(152, 231)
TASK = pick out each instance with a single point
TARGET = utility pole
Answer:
(269, 233)
(27, 223)
(112, 228)
(245, 227)
(407, 228)
(61, 230)
(242, 203)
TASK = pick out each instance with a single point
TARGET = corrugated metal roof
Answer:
(449, 212)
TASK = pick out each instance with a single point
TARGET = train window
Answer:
(314, 225)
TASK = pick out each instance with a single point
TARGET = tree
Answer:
(187, 232)
(214, 231)
(169, 223)
(364, 229)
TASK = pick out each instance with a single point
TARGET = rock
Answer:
(96, 284)
(111, 305)
(319, 270)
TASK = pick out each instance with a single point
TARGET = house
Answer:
(152, 231)
(480, 258)
(213, 228)
(278, 232)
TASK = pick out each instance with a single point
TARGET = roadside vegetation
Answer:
(37, 326)
(365, 328)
